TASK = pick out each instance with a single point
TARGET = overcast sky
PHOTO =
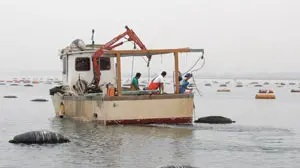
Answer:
(237, 35)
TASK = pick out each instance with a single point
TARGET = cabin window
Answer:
(65, 64)
(104, 64)
(82, 64)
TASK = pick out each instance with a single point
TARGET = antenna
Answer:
(93, 42)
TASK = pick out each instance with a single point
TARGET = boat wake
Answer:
(224, 128)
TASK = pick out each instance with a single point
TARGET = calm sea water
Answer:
(266, 133)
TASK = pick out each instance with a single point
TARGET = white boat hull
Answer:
(143, 109)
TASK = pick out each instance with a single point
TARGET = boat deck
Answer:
(128, 97)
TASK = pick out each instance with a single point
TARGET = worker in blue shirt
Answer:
(185, 83)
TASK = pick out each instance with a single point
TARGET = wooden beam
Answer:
(126, 53)
(119, 84)
(148, 51)
(176, 72)
(139, 53)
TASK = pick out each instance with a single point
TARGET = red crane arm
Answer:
(109, 46)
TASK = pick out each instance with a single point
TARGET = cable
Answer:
(200, 66)
(190, 69)
(199, 92)
(194, 78)
(201, 57)
(148, 75)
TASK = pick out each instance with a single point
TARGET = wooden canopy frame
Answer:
(127, 53)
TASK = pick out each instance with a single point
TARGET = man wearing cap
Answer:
(184, 83)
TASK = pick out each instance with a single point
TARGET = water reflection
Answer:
(118, 146)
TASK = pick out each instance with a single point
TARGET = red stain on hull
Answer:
(179, 120)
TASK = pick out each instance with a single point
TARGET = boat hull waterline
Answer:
(143, 109)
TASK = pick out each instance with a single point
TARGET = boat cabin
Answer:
(77, 63)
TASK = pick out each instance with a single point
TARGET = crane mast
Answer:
(111, 45)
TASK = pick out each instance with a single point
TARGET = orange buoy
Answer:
(265, 96)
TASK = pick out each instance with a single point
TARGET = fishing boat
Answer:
(265, 91)
(83, 96)
(14, 84)
(223, 85)
(265, 94)
(257, 85)
(26, 81)
(295, 90)
(48, 82)
(223, 90)
(35, 82)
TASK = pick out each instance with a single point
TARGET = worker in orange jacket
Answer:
(158, 83)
